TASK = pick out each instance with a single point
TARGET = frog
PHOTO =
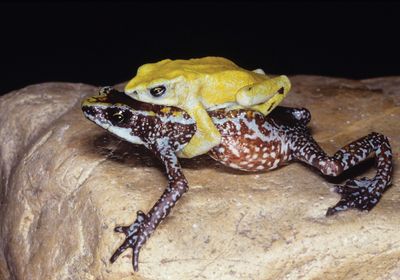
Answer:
(201, 84)
(250, 142)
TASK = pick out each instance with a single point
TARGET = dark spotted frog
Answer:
(250, 142)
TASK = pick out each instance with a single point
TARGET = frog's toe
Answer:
(136, 235)
(362, 194)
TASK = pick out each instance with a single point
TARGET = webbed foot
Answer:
(136, 236)
(362, 194)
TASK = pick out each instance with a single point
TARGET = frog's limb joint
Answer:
(145, 224)
(264, 96)
(362, 194)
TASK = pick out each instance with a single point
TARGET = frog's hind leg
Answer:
(264, 96)
(364, 193)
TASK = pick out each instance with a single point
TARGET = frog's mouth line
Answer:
(95, 115)
(90, 114)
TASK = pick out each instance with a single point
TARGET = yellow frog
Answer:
(201, 84)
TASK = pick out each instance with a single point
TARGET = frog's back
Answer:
(208, 72)
(168, 68)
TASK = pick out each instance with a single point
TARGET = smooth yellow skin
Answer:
(198, 85)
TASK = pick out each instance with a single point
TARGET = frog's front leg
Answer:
(207, 135)
(145, 224)
(264, 96)
(364, 193)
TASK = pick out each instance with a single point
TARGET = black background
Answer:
(104, 43)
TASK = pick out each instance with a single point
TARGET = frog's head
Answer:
(137, 122)
(163, 83)
(168, 82)
(109, 112)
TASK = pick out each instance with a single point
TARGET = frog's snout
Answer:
(88, 110)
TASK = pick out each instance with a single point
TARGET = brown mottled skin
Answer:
(250, 142)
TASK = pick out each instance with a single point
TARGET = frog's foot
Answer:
(136, 236)
(264, 96)
(362, 194)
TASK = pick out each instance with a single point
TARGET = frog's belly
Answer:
(249, 146)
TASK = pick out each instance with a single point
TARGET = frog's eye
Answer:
(117, 117)
(157, 91)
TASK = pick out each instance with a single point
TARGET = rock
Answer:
(66, 183)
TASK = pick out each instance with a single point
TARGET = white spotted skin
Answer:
(250, 143)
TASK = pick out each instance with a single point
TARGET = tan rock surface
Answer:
(65, 184)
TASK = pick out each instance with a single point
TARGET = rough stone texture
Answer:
(65, 184)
